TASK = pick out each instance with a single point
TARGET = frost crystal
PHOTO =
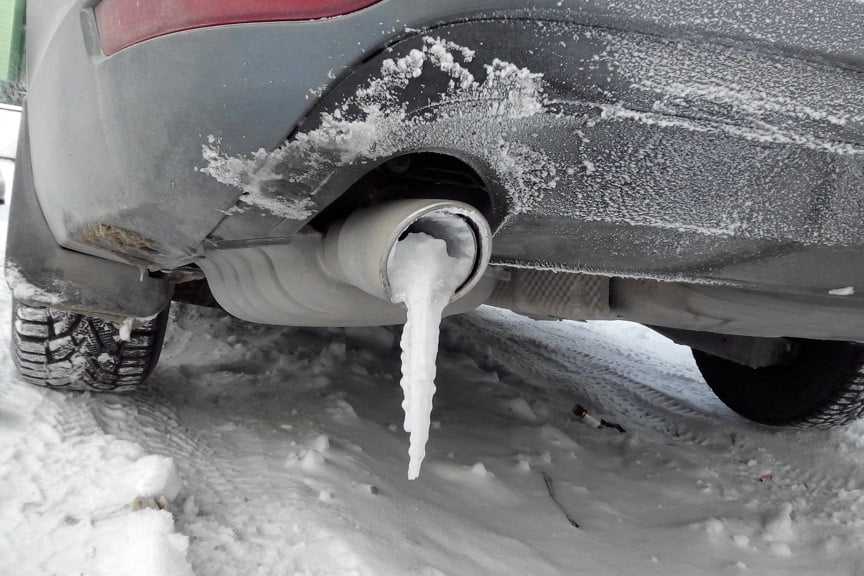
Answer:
(374, 123)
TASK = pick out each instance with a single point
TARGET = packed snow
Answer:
(556, 448)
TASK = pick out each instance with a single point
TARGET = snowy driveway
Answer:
(267, 451)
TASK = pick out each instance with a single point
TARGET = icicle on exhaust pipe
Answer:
(407, 259)
(433, 254)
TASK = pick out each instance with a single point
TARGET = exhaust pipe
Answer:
(359, 250)
(342, 278)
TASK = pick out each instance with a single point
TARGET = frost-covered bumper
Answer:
(41, 273)
(641, 141)
(604, 152)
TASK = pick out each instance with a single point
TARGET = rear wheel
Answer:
(69, 351)
(820, 386)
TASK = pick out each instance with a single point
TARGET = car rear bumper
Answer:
(608, 152)
(41, 273)
(662, 146)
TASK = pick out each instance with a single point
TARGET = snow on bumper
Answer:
(679, 160)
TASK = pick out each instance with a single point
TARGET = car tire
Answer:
(68, 351)
(821, 387)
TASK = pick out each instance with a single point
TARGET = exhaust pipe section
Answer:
(341, 278)
(543, 294)
(690, 314)
(359, 250)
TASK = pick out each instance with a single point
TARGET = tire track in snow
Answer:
(248, 503)
(582, 373)
(257, 515)
(148, 419)
(585, 372)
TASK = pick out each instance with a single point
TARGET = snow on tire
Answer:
(68, 351)
(822, 387)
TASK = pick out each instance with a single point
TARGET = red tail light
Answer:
(123, 23)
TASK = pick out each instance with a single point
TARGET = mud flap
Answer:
(41, 272)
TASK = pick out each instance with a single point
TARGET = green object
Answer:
(11, 39)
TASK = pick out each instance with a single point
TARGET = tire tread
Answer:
(822, 389)
(69, 351)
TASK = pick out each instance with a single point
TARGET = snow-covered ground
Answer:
(268, 451)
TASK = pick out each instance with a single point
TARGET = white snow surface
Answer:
(268, 451)
(76, 500)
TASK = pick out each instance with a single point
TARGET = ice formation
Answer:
(423, 277)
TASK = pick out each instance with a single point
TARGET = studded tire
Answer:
(822, 387)
(68, 351)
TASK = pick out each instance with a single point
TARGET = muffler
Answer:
(341, 278)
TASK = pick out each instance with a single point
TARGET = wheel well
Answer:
(418, 175)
